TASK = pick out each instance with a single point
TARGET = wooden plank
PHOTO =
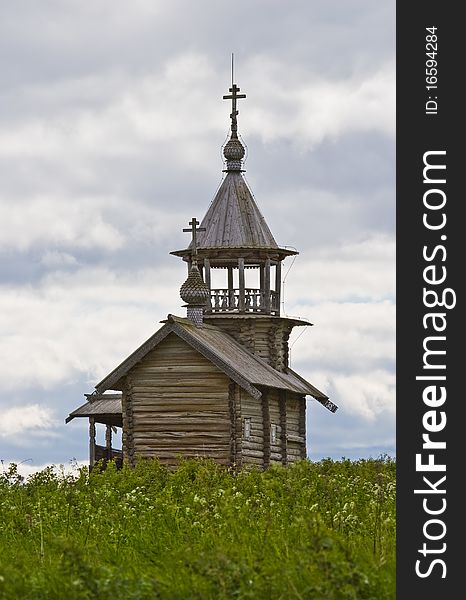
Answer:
(181, 427)
(252, 460)
(283, 432)
(302, 425)
(232, 415)
(241, 284)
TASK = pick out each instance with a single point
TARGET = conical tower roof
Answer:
(234, 219)
(233, 222)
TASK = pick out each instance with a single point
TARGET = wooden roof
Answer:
(242, 366)
(234, 221)
(98, 405)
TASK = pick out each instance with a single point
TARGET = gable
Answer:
(172, 358)
(219, 349)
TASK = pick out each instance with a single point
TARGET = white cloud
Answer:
(363, 270)
(107, 136)
(55, 259)
(315, 108)
(26, 420)
(58, 221)
(347, 336)
(80, 323)
(369, 394)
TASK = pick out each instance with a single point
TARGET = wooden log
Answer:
(92, 444)
(252, 460)
(302, 425)
(238, 427)
(283, 431)
(232, 415)
(266, 428)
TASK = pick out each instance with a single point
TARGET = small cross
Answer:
(194, 229)
(233, 97)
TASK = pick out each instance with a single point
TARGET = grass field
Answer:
(316, 531)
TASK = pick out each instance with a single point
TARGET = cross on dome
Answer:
(234, 96)
(194, 230)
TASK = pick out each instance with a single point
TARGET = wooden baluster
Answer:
(224, 299)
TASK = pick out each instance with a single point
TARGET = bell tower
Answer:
(240, 261)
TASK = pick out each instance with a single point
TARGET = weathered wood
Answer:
(266, 428)
(278, 283)
(267, 285)
(241, 285)
(207, 275)
(252, 460)
(92, 444)
(302, 425)
(283, 432)
(108, 439)
(232, 414)
(180, 404)
(295, 438)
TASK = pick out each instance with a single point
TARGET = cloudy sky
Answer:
(111, 127)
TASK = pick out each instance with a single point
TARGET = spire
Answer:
(234, 149)
(194, 291)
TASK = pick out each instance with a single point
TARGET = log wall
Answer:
(252, 448)
(296, 440)
(176, 402)
(281, 411)
(266, 336)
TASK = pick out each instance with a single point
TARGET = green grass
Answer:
(314, 531)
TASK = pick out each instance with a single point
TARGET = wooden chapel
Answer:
(216, 384)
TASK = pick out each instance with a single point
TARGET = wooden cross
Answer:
(234, 97)
(194, 229)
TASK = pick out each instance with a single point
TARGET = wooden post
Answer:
(232, 409)
(91, 442)
(231, 293)
(241, 302)
(284, 433)
(108, 441)
(302, 424)
(238, 428)
(267, 286)
(266, 426)
(278, 283)
(207, 279)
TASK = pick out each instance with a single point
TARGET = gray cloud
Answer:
(111, 127)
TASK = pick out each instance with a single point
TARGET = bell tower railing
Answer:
(224, 300)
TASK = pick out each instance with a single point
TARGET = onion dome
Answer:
(194, 291)
(234, 154)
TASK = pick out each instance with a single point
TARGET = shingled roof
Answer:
(234, 220)
(98, 405)
(245, 368)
